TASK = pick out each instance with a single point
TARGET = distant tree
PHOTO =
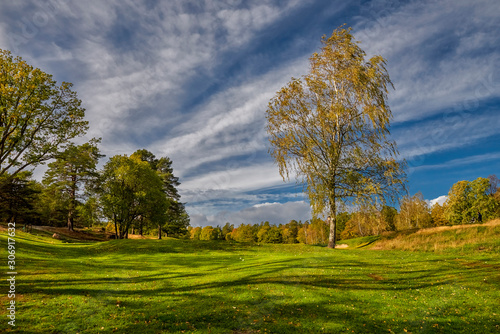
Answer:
(73, 168)
(89, 212)
(262, 233)
(244, 233)
(438, 215)
(314, 232)
(131, 189)
(466, 200)
(177, 217)
(273, 235)
(302, 233)
(53, 207)
(209, 233)
(414, 213)
(226, 229)
(389, 216)
(218, 233)
(331, 128)
(366, 220)
(37, 117)
(342, 219)
(195, 233)
(290, 232)
(18, 198)
(496, 197)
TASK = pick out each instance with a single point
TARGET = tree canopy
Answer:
(131, 189)
(331, 128)
(37, 117)
(469, 200)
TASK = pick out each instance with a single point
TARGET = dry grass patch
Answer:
(484, 237)
(430, 230)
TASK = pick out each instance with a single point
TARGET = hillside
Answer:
(462, 238)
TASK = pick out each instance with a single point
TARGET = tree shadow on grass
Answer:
(179, 291)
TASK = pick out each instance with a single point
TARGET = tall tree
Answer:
(469, 200)
(130, 189)
(37, 117)
(177, 217)
(331, 129)
(74, 167)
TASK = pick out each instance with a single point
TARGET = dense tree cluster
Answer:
(38, 120)
(314, 233)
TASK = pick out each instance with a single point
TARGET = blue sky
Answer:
(191, 80)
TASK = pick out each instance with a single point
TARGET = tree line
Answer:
(467, 202)
(39, 121)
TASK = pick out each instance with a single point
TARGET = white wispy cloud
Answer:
(451, 131)
(454, 163)
(242, 179)
(439, 53)
(232, 123)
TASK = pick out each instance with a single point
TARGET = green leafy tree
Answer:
(469, 200)
(496, 197)
(90, 212)
(366, 220)
(18, 199)
(331, 129)
(389, 214)
(177, 217)
(130, 189)
(262, 233)
(209, 233)
(290, 232)
(244, 233)
(342, 219)
(195, 233)
(271, 235)
(37, 117)
(53, 207)
(494, 184)
(227, 229)
(73, 169)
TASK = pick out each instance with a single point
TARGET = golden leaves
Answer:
(330, 127)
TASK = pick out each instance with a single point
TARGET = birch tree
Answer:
(331, 129)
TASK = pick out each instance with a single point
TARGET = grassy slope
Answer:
(153, 286)
(461, 239)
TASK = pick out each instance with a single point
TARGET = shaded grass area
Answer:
(181, 286)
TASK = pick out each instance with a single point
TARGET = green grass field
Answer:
(181, 286)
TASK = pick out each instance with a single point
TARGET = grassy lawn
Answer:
(163, 286)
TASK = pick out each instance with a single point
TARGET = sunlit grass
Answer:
(461, 239)
(174, 286)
